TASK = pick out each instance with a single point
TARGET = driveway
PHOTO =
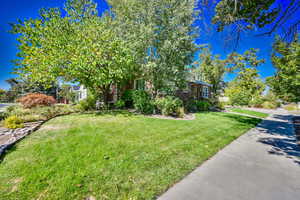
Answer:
(263, 164)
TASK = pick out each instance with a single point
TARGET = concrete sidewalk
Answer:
(263, 164)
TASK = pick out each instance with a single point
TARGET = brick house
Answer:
(197, 90)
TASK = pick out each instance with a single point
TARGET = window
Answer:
(205, 92)
(140, 84)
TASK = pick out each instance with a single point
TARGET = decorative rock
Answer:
(8, 137)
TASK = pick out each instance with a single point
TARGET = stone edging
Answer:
(18, 134)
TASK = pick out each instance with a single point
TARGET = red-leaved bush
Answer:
(34, 99)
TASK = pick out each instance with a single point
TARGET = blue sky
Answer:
(11, 10)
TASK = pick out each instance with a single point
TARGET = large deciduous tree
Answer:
(79, 46)
(211, 69)
(286, 81)
(247, 86)
(162, 35)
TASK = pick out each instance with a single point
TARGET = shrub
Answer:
(142, 102)
(127, 97)
(34, 100)
(257, 102)
(221, 105)
(11, 108)
(13, 122)
(191, 106)
(3, 115)
(88, 104)
(41, 113)
(269, 105)
(240, 98)
(291, 107)
(202, 105)
(169, 105)
(120, 104)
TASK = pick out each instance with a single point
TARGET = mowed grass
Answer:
(249, 112)
(113, 156)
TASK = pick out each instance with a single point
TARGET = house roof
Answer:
(201, 83)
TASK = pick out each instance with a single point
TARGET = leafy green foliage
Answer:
(210, 69)
(286, 81)
(40, 113)
(170, 105)
(161, 38)
(13, 122)
(269, 105)
(197, 105)
(2, 95)
(120, 104)
(291, 107)
(79, 46)
(257, 102)
(247, 86)
(3, 115)
(203, 105)
(88, 104)
(142, 102)
(251, 12)
(127, 97)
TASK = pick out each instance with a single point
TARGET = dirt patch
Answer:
(16, 183)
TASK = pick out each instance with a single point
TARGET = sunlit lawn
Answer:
(250, 112)
(113, 156)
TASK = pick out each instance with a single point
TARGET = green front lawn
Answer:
(249, 112)
(113, 156)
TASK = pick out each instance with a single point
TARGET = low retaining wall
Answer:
(9, 137)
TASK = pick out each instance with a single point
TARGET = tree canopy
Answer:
(286, 81)
(246, 86)
(243, 15)
(79, 46)
(211, 69)
(162, 35)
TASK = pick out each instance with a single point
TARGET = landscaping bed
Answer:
(8, 137)
(113, 155)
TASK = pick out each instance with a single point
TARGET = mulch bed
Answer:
(186, 117)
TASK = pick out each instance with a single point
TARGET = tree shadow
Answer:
(278, 128)
(282, 138)
(243, 119)
(7, 150)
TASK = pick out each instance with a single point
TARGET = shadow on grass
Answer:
(7, 151)
(243, 119)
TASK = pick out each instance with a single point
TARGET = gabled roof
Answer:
(201, 83)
